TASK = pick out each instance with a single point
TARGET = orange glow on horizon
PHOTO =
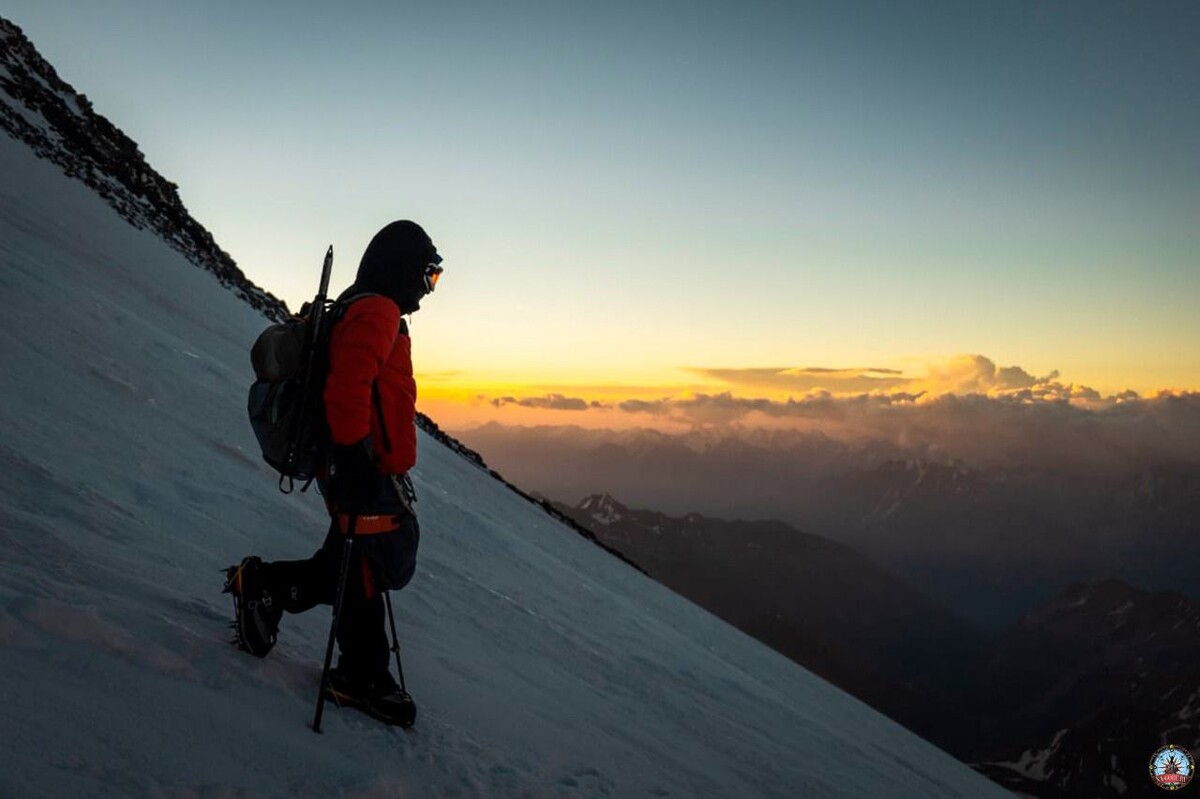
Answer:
(459, 400)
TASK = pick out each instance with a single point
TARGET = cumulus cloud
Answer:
(977, 374)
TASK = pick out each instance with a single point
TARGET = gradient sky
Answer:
(634, 198)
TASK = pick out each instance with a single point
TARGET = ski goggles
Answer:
(433, 271)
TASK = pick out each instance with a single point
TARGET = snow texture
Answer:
(543, 666)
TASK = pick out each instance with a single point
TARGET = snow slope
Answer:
(543, 666)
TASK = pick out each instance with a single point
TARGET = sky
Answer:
(651, 201)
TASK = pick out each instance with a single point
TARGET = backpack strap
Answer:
(349, 296)
(339, 307)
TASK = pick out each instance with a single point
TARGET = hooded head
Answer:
(394, 264)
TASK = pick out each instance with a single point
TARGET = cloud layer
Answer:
(966, 407)
(825, 393)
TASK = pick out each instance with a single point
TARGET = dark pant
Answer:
(379, 562)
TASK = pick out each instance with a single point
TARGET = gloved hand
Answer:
(353, 478)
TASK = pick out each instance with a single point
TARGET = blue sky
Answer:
(624, 190)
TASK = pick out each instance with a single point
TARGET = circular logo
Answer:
(1171, 768)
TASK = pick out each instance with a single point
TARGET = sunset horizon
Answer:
(457, 403)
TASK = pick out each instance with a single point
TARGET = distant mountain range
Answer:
(1069, 702)
(995, 541)
(990, 541)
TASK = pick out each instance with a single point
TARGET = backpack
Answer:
(290, 361)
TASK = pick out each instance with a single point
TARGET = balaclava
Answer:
(394, 264)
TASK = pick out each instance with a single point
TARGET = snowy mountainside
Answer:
(543, 666)
(821, 603)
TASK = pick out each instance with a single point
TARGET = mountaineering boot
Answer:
(256, 612)
(382, 699)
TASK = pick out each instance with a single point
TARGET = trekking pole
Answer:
(333, 625)
(395, 640)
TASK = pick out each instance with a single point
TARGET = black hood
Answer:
(394, 264)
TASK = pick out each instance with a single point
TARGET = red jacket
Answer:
(368, 347)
